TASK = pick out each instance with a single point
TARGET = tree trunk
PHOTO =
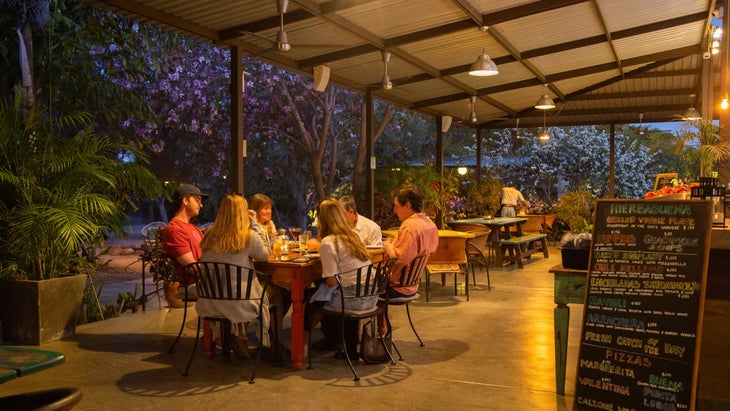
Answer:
(25, 49)
(358, 172)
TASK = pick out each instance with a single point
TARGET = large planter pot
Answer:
(575, 258)
(35, 312)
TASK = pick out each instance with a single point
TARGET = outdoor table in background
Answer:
(500, 228)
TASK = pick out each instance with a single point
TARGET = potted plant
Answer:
(702, 137)
(163, 270)
(574, 210)
(484, 195)
(61, 187)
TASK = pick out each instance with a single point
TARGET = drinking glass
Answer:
(277, 248)
(294, 232)
(303, 238)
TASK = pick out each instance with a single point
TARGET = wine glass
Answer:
(295, 232)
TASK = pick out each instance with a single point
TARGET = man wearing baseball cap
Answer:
(181, 239)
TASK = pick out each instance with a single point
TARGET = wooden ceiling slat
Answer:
(667, 73)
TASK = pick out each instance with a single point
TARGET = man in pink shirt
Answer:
(181, 238)
(417, 235)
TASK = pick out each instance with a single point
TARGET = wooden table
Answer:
(442, 234)
(296, 276)
(17, 361)
(570, 287)
(500, 228)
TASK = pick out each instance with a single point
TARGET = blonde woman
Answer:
(341, 252)
(234, 239)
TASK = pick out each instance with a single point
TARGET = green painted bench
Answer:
(24, 361)
(518, 249)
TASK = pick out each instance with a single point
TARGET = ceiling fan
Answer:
(641, 129)
(472, 118)
(281, 42)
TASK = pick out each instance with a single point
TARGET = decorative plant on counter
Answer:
(701, 139)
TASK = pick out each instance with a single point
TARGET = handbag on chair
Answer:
(375, 350)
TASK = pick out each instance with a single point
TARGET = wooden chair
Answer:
(533, 225)
(410, 275)
(227, 282)
(370, 282)
(547, 228)
(479, 249)
(449, 258)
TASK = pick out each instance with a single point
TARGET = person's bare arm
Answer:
(185, 259)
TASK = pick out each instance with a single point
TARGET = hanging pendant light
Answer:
(545, 102)
(691, 114)
(484, 66)
(543, 135)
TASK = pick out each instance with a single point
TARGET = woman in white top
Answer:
(235, 239)
(341, 252)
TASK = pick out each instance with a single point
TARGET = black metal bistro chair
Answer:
(371, 281)
(227, 282)
(410, 275)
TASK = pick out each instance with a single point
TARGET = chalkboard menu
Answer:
(639, 345)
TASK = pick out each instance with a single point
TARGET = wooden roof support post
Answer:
(370, 154)
(237, 142)
(440, 169)
(723, 168)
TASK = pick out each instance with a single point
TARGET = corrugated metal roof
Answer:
(604, 60)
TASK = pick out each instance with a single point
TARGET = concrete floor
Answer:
(494, 352)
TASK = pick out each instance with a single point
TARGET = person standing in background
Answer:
(511, 200)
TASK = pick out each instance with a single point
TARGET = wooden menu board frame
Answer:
(645, 293)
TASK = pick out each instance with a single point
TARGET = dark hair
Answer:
(409, 193)
(348, 202)
(176, 203)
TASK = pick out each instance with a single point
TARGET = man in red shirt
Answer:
(181, 239)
